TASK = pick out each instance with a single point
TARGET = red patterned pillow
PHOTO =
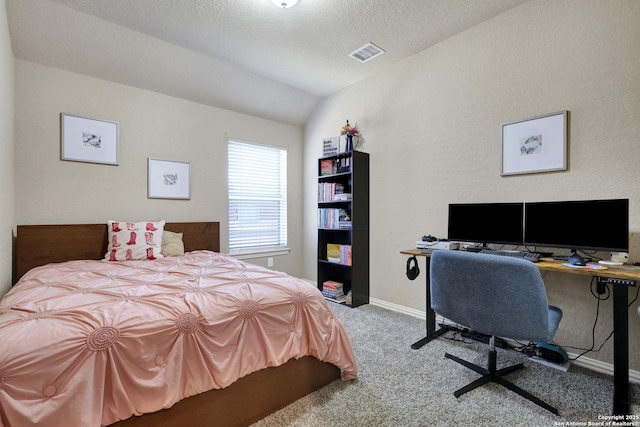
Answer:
(134, 240)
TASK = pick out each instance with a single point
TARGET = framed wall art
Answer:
(88, 140)
(535, 145)
(330, 146)
(168, 179)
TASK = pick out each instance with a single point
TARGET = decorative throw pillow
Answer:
(134, 240)
(172, 244)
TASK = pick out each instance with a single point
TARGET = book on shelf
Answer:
(332, 294)
(330, 192)
(343, 165)
(344, 225)
(346, 254)
(332, 285)
(334, 166)
(341, 196)
(333, 218)
(339, 254)
(342, 299)
(334, 253)
(327, 167)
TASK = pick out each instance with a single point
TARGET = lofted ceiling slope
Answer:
(242, 55)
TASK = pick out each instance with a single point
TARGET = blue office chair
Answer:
(497, 296)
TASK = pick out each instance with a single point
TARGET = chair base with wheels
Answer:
(491, 374)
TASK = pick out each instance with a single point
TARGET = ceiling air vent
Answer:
(366, 52)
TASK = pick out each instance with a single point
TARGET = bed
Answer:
(150, 341)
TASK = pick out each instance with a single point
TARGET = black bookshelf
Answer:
(343, 223)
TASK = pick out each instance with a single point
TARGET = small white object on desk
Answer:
(620, 256)
(605, 262)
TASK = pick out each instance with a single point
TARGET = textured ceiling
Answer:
(243, 55)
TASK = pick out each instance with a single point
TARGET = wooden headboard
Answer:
(38, 245)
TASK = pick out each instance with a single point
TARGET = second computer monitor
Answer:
(584, 224)
(500, 223)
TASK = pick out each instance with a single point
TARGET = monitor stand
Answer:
(575, 259)
(476, 248)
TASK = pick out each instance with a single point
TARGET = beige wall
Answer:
(49, 190)
(7, 209)
(432, 125)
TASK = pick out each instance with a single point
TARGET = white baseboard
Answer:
(585, 362)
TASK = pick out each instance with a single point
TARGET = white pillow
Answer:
(134, 240)
(172, 244)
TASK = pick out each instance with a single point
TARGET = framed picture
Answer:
(535, 145)
(88, 140)
(330, 146)
(168, 179)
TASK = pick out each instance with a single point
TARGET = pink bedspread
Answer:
(88, 343)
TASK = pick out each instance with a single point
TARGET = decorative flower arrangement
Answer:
(350, 130)
(352, 134)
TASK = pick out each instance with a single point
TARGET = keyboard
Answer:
(529, 256)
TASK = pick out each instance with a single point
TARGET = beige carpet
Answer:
(398, 386)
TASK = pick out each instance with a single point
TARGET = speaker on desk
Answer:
(634, 247)
(413, 270)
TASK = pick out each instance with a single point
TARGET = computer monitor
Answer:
(486, 223)
(596, 225)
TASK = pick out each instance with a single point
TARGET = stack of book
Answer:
(334, 291)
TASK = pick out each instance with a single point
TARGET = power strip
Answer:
(616, 281)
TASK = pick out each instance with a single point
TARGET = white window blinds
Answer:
(257, 196)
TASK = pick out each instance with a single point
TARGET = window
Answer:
(257, 197)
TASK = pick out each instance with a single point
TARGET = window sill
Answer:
(260, 253)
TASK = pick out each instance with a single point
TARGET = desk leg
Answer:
(620, 350)
(431, 316)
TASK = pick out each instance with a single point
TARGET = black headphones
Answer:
(412, 271)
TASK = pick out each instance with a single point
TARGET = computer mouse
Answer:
(576, 259)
